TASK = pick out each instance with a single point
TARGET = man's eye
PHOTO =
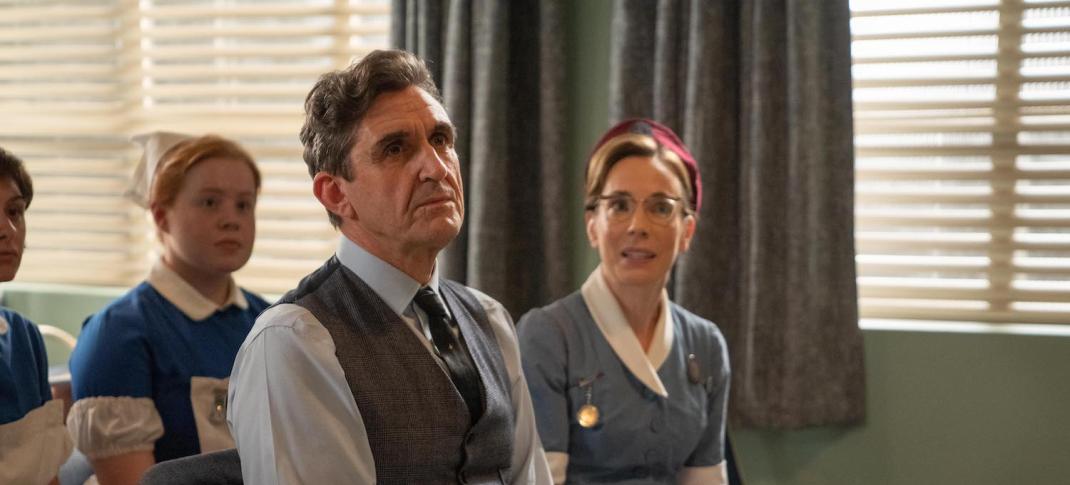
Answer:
(439, 139)
(209, 202)
(393, 150)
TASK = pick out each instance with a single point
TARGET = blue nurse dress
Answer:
(149, 371)
(649, 429)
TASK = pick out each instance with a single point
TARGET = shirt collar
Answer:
(609, 317)
(186, 298)
(395, 287)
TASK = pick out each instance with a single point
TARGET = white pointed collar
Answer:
(393, 286)
(186, 298)
(609, 317)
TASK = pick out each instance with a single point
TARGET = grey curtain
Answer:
(499, 65)
(760, 90)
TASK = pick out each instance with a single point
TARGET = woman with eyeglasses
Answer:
(629, 387)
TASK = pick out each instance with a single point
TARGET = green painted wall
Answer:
(942, 408)
(587, 76)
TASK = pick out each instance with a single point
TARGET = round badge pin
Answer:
(588, 415)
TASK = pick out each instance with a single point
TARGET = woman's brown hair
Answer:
(631, 145)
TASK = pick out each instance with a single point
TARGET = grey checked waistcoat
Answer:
(418, 425)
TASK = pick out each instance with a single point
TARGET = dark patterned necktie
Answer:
(463, 371)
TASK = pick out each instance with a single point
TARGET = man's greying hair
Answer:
(338, 102)
(13, 168)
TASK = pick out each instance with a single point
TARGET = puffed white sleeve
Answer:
(111, 382)
(114, 425)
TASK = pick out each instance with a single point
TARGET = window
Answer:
(962, 134)
(78, 78)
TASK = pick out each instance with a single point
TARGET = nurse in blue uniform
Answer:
(629, 387)
(149, 373)
(33, 440)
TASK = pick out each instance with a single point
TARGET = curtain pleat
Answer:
(457, 92)
(761, 93)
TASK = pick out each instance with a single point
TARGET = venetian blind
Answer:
(78, 78)
(962, 133)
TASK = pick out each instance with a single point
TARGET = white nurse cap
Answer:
(154, 144)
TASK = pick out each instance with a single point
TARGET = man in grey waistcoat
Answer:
(374, 369)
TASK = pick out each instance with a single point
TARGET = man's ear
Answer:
(328, 189)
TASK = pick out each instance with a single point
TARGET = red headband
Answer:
(664, 138)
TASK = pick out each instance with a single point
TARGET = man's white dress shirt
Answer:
(292, 414)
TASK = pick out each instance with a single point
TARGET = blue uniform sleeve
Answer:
(544, 353)
(710, 449)
(112, 357)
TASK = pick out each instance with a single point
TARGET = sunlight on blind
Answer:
(77, 78)
(962, 136)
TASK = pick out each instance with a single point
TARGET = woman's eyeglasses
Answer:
(660, 209)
